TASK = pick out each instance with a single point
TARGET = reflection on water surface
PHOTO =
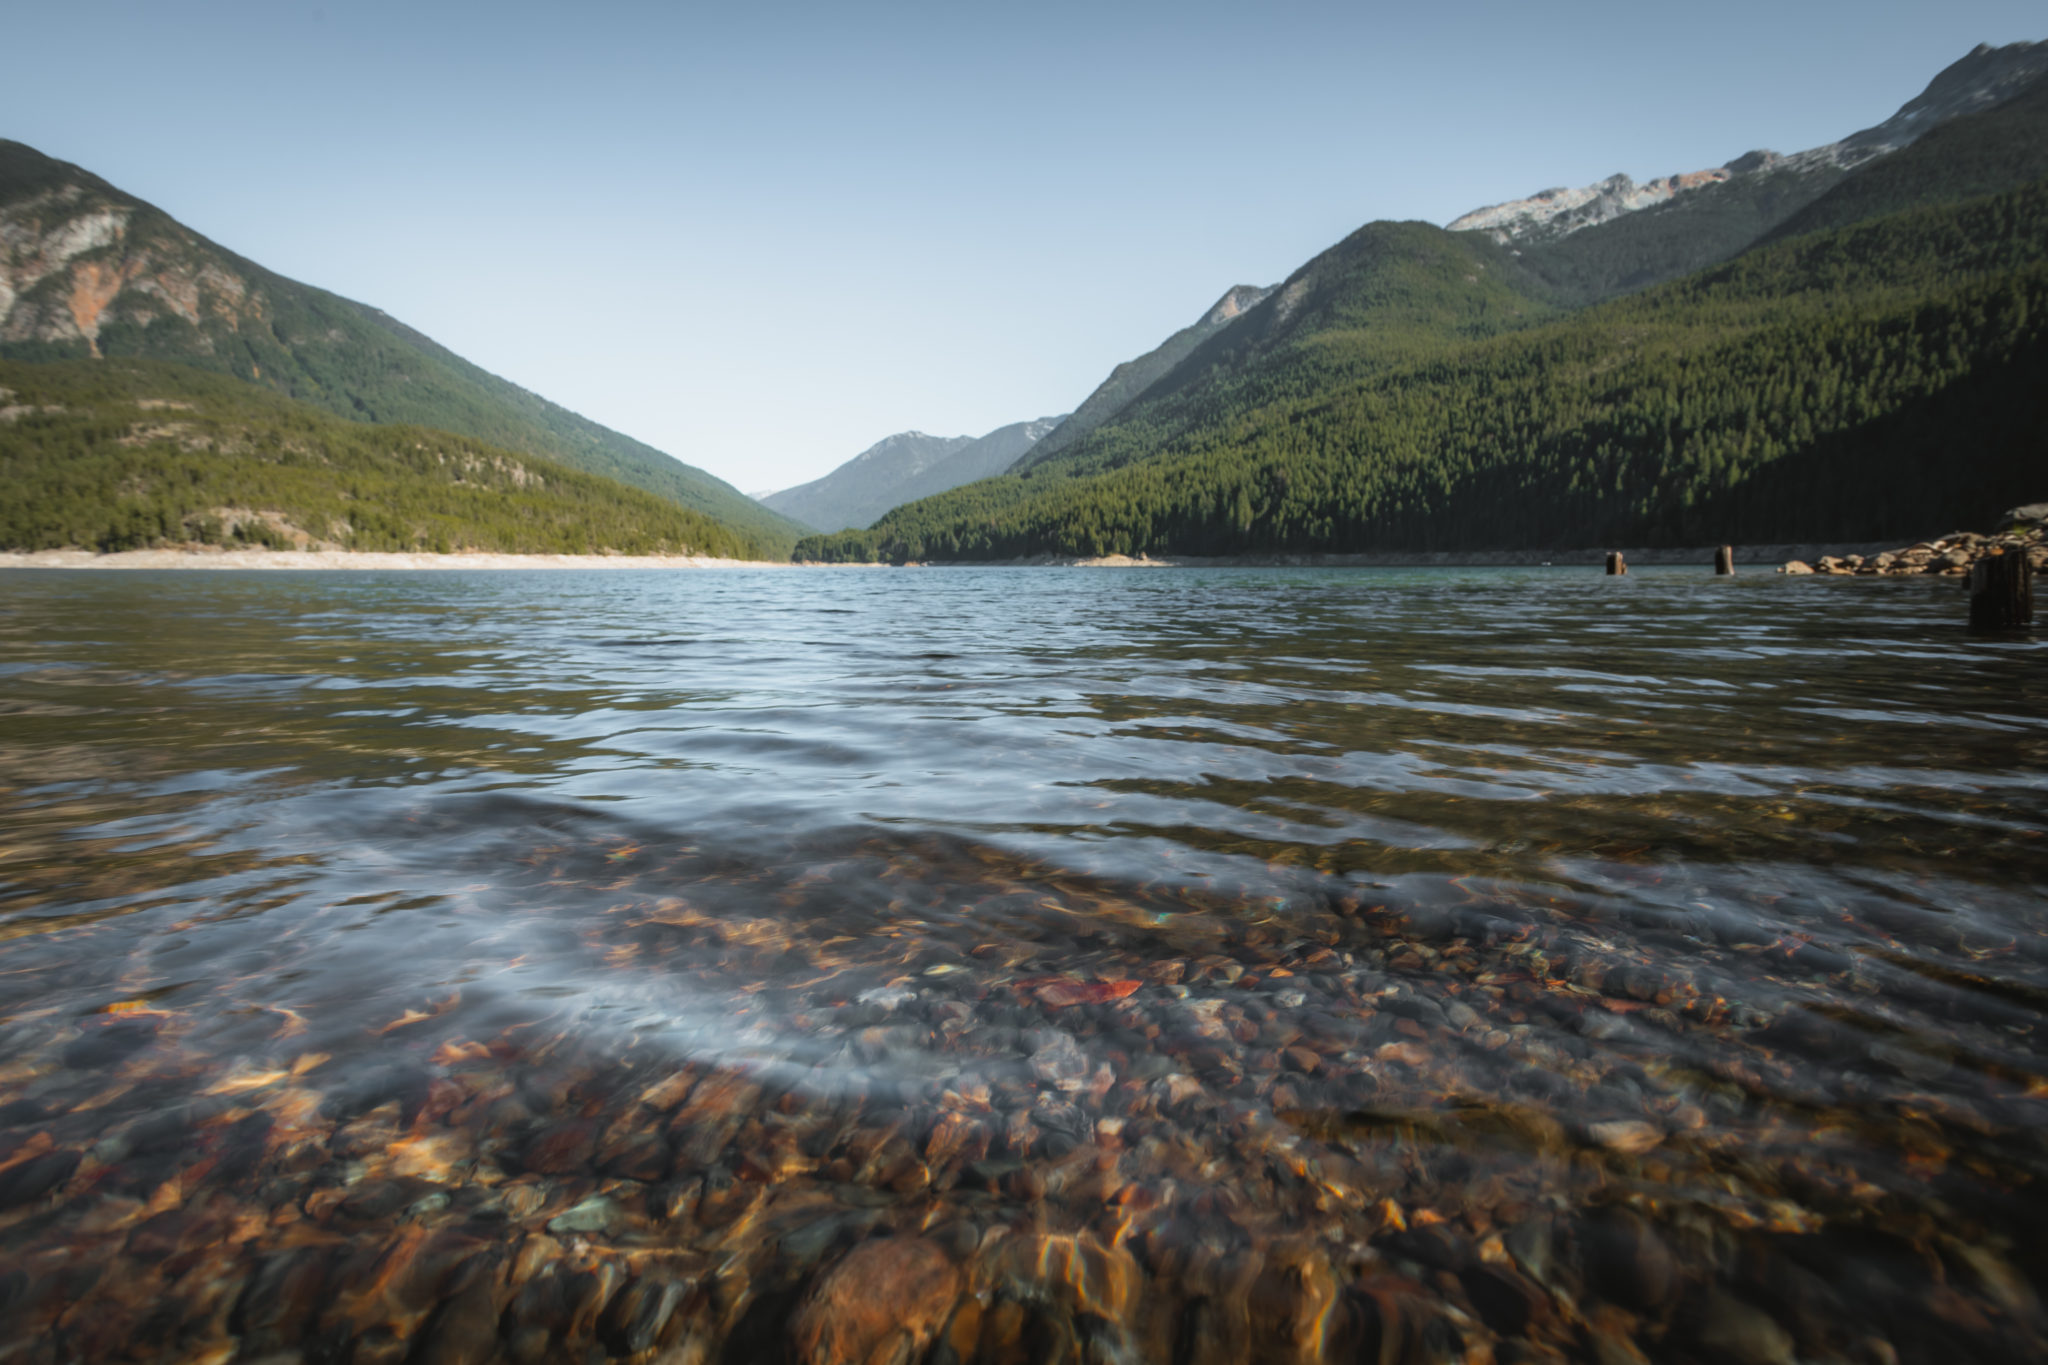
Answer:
(1018, 966)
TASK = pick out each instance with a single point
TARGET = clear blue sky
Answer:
(761, 237)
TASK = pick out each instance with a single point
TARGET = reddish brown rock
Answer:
(463, 1331)
(643, 1157)
(1301, 1059)
(562, 1148)
(1062, 992)
(881, 1305)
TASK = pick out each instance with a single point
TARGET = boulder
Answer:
(882, 1305)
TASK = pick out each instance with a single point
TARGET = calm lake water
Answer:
(1019, 965)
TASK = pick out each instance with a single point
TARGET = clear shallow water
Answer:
(1196, 964)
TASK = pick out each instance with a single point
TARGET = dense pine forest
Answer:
(131, 454)
(1862, 382)
(1868, 367)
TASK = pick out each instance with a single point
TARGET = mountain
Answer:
(1574, 247)
(904, 467)
(863, 488)
(1420, 389)
(856, 493)
(1601, 240)
(119, 454)
(981, 458)
(1133, 377)
(1983, 79)
(2004, 146)
(1389, 294)
(87, 271)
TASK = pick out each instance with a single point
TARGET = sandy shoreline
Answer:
(359, 560)
(380, 560)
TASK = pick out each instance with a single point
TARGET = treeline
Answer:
(1869, 381)
(134, 454)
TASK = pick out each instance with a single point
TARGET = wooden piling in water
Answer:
(1615, 563)
(1724, 561)
(2002, 591)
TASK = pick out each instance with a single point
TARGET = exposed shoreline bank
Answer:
(359, 560)
(1772, 555)
(372, 560)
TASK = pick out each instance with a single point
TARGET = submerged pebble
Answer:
(1409, 991)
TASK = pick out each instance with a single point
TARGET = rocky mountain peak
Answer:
(1557, 212)
(912, 449)
(1236, 299)
(1987, 76)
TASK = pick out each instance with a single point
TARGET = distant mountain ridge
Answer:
(896, 470)
(88, 271)
(902, 468)
(1983, 78)
(827, 502)
(981, 458)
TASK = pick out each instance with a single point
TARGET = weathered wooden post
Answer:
(2002, 591)
(1724, 561)
(1615, 563)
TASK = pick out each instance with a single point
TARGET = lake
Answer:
(1019, 965)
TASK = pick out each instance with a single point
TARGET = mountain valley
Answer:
(1786, 350)
(903, 468)
(1781, 347)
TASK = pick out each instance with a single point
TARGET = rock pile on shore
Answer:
(1951, 555)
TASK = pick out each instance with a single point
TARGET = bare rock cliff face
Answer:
(75, 261)
(1987, 76)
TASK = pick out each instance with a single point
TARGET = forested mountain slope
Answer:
(123, 454)
(89, 271)
(1985, 153)
(1616, 237)
(1383, 297)
(1421, 389)
(1856, 383)
(1966, 152)
(1130, 379)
